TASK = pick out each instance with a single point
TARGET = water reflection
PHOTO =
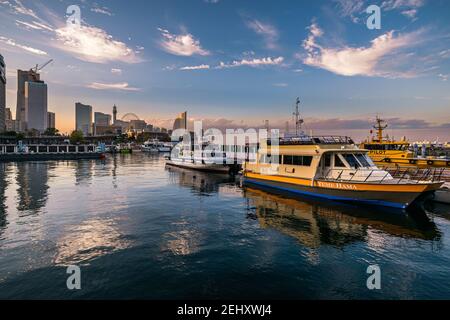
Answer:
(3, 186)
(314, 223)
(91, 239)
(200, 183)
(32, 182)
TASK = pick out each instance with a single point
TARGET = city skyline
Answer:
(234, 64)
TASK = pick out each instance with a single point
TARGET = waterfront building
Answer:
(36, 105)
(10, 124)
(2, 93)
(181, 121)
(83, 118)
(102, 123)
(22, 78)
(137, 125)
(102, 119)
(8, 114)
(51, 120)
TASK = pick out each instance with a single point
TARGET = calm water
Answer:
(140, 230)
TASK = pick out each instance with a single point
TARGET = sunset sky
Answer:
(237, 63)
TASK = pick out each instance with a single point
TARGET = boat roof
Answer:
(313, 140)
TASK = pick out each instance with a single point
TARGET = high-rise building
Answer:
(51, 120)
(138, 125)
(36, 105)
(2, 93)
(10, 124)
(114, 114)
(180, 121)
(8, 114)
(22, 78)
(83, 118)
(102, 119)
(102, 123)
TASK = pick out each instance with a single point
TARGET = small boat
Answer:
(189, 163)
(333, 168)
(156, 146)
(386, 151)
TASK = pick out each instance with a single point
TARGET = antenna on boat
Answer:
(298, 121)
(380, 127)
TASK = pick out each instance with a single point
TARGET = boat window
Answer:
(362, 160)
(269, 159)
(350, 158)
(288, 160)
(327, 159)
(297, 160)
(338, 162)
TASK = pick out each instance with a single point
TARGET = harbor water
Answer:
(140, 230)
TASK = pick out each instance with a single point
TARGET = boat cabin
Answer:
(313, 158)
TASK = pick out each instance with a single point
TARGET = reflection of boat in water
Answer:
(443, 195)
(314, 223)
(199, 181)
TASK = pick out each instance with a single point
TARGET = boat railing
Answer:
(312, 140)
(433, 174)
(407, 175)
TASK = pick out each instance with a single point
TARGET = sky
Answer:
(238, 63)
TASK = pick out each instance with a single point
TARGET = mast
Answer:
(298, 120)
(380, 127)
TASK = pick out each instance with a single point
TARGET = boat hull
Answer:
(396, 196)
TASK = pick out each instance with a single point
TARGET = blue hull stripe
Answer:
(330, 197)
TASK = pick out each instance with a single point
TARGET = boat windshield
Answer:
(363, 160)
(351, 160)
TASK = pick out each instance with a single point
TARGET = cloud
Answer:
(34, 25)
(281, 85)
(268, 61)
(102, 10)
(94, 45)
(444, 77)
(19, 8)
(269, 32)
(200, 67)
(399, 4)
(350, 8)
(181, 45)
(365, 61)
(411, 13)
(116, 71)
(408, 7)
(13, 43)
(112, 86)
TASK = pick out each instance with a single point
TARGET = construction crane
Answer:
(39, 68)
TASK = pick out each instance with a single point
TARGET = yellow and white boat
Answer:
(385, 151)
(332, 168)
